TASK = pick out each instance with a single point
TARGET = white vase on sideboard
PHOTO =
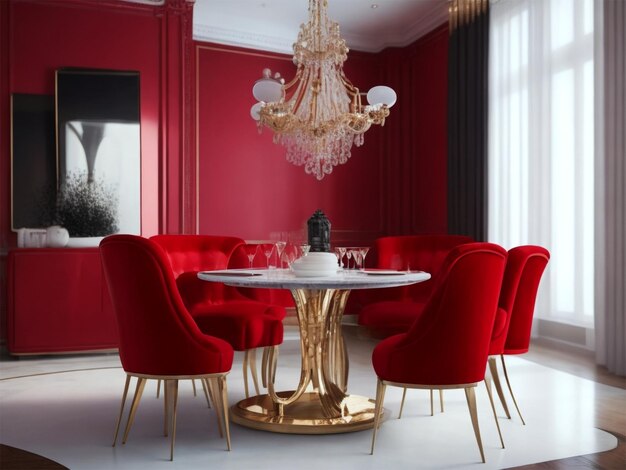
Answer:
(57, 236)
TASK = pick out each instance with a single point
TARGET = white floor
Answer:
(64, 408)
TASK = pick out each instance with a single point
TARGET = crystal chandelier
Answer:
(319, 114)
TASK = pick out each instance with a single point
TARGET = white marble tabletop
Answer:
(285, 279)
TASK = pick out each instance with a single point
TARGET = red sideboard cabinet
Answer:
(58, 302)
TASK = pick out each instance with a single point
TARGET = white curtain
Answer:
(541, 144)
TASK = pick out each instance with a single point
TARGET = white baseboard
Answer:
(573, 335)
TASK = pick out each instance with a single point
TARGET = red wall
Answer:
(414, 146)
(246, 186)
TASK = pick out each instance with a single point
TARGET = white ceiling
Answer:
(273, 25)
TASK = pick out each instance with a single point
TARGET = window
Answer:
(541, 141)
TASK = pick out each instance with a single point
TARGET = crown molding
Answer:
(426, 22)
(247, 39)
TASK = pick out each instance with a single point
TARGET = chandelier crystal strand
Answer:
(318, 116)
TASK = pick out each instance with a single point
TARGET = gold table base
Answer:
(305, 415)
(320, 402)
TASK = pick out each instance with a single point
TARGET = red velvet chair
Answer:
(158, 339)
(390, 311)
(511, 335)
(451, 337)
(523, 262)
(219, 309)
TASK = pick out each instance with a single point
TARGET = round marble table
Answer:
(320, 303)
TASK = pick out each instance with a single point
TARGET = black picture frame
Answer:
(33, 162)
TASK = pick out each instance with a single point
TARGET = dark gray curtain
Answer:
(468, 55)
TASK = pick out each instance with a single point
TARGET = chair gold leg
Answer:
(441, 399)
(272, 365)
(141, 383)
(119, 418)
(493, 408)
(431, 403)
(246, 358)
(470, 396)
(166, 411)
(174, 392)
(493, 368)
(215, 396)
(380, 399)
(264, 366)
(158, 387)
(206, 393)
(252, 367)
(193, 384)
(506, 376)
(402, 403)
(224, 401)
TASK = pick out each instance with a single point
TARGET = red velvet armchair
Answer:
(158, 338)
(391, 311)
(451, 338)
(511, 335)
(222, 310)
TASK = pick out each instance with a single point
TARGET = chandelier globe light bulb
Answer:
(382, 95)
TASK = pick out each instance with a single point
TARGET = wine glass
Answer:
(360, 264)
(304, 248)
(340, 252)
(363, 250)
(280, 246)
(251, 251)
(268, 249)
(290, 254)
(348, 255)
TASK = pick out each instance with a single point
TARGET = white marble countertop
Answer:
(285, 279)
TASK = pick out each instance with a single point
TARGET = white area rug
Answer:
(70, 417)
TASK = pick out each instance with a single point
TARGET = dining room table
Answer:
(326, 407)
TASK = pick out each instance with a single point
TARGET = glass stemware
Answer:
(268, 249)
(348, 255)
(340, 252)
(280, 246)
(363, 250)
(291, 254)
(251, 251)
(304, 248)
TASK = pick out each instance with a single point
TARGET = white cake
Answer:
(315, 264)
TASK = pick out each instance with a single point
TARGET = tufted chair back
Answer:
(417, 252)
(189, 254)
